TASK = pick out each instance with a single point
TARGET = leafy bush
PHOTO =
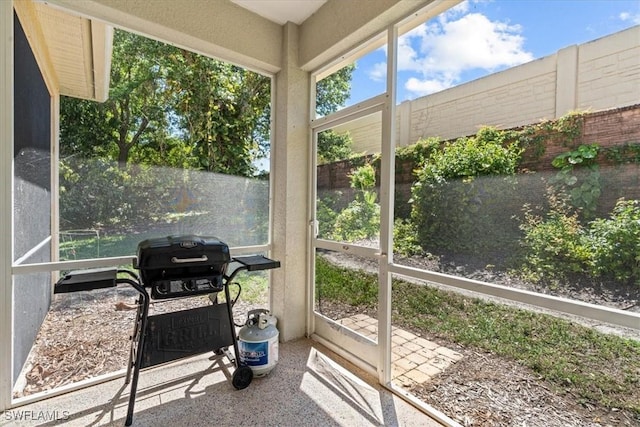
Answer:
(579, 175)
(95, 192)
(454, 210)
(615, 242)
(420, 151)
(326, 216)
(405, 240)
(555, 242)
(363, 179)
(361, 218)
(483, 154)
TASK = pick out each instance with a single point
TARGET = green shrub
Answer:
(363, 179)
(405, 240)
(361, 218)
(579, 176)
(615, 242)
(96, 192)
(326, 216)
(483, 154)
(453, 209)
(420, 151)
(555, 243)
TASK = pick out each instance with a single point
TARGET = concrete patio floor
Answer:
(310, 386)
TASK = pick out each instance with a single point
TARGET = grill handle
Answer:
(177, 260)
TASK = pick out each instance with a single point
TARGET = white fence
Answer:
(598, 75)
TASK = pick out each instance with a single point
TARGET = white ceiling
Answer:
(76, 51)
(282, 11)
(76, 47)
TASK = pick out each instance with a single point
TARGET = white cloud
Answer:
(378, 72)
(439, 51)
(473, 41)
(626, 16)
(425, 87)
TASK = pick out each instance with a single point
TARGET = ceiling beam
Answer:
(220, 29)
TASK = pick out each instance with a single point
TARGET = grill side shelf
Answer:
(86, 280)
(250, 263)
(256, 262)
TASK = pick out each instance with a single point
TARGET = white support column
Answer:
(55, 182)
(387, 185)
(290, 153)
(6, 211)
(566, 80)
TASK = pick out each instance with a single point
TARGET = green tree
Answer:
(169, 106)
(332, 92)
(135, 110)
(222, 111)
(333, 146)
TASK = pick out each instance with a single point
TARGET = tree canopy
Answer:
(171, 107)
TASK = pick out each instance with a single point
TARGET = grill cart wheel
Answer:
(242, 377)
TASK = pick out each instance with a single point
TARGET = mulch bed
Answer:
(86, 334)
(484, 390)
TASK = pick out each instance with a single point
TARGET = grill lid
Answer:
(188, 259)
(179, 252)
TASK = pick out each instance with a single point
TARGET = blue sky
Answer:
(479, 37)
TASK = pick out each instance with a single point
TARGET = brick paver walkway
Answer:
(414, 359)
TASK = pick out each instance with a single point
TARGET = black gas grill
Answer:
(182, 266)
(177, 267)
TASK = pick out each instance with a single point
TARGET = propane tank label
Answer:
(254, 353)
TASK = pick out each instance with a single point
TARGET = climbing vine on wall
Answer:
(626, 153)
(579, 176)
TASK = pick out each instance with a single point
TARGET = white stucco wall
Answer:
(290, 193)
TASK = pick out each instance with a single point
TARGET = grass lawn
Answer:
(595, 367)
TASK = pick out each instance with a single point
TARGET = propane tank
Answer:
(258, 342)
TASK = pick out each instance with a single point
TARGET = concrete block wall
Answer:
(609, 71)
(367, 132)
(506, 99)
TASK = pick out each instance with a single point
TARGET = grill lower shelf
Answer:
(172, 336)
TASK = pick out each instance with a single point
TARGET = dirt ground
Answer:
(87, 334)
